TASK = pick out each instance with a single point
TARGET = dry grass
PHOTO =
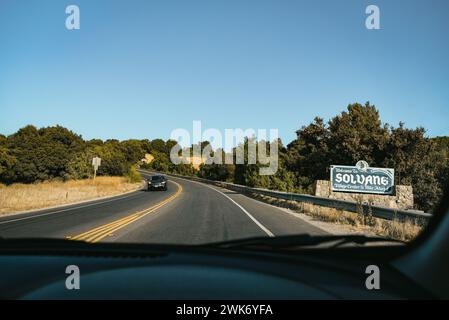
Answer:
(401, 230)
(20, 197)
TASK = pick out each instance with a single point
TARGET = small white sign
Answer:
(96, 162)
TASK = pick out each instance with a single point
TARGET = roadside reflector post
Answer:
(96, 162)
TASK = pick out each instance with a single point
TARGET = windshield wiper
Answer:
(291, 242)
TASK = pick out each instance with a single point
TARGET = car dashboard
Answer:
(178, 272)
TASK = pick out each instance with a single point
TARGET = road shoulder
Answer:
(327, 227)
(70, 205)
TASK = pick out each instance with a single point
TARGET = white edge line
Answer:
(260, 225)
(131, 193)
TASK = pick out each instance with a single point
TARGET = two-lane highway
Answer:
(188, 213)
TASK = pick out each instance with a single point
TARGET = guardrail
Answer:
(376, 211)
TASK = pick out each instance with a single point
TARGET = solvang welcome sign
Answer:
(362, 179)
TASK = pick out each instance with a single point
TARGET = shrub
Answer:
(133, 175)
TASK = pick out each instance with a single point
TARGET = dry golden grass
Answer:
(401, 230)
(20, 197)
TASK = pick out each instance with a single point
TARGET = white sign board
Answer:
(96, 162)
(362, 179)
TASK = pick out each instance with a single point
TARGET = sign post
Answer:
(362, 178)
(96, 162)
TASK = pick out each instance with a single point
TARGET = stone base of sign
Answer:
(402, 199)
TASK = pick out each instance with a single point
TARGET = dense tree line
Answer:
(32, 154)
(356, 134)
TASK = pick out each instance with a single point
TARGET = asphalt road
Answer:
(187, 213)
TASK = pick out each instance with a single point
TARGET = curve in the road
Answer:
(260, 225)
(199, 214)
(207, 214)
(76, 219)
(96, 234)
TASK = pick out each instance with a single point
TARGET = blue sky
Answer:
(139, 69)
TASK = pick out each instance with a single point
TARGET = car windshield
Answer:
(263, 120)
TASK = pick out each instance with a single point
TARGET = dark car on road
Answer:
(157, 182)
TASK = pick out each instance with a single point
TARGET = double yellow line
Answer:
(103, 231)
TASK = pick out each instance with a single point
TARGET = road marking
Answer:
(260, 225)
(69, 209)
(96, 234)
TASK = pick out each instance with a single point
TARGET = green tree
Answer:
(42, 154)
(7, 163)
(308, 157)
(133, 150)
(216, 171)
(357, 134)
(158, 145)
(442, 145)
(416, 160)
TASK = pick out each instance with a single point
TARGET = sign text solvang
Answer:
(362, 179)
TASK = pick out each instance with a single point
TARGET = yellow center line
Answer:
(87, 233)
(96, 234)
(97, 237)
